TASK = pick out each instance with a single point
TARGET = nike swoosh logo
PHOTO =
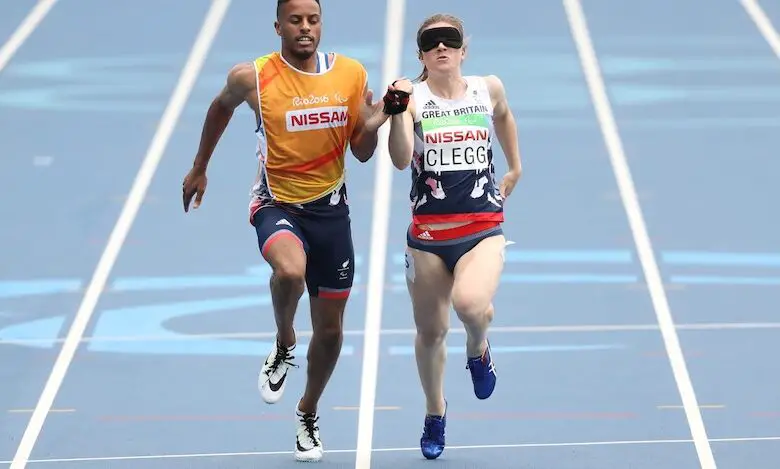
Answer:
(298, 445)
(301, 448)
(278, 385)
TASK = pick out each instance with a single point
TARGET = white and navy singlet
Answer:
(453, 176)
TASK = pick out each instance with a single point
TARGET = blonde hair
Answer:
(453, 21)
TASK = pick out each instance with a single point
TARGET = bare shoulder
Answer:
(241, 76)
(495, 86)
(240, 81)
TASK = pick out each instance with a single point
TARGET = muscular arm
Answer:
(401, 144)
(240, 81)
(504, 121)
(364, 141)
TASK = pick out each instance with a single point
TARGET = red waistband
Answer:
(452, 233)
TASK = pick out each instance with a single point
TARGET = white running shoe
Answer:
(308, 447)
(273, 375)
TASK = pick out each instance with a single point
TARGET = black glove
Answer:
(395, 102)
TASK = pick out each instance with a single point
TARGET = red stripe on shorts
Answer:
(452, 233)
(333, 294)
(276, 236)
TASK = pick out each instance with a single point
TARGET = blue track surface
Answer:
(170, 357)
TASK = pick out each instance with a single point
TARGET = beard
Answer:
(301, 52)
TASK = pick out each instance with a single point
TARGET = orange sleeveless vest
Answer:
(305, 124)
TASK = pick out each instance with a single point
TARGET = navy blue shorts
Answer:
(324, 232)
(451, 244)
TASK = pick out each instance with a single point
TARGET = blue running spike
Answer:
(432, 440)
(483, 373)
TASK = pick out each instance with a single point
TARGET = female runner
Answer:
(444, 125)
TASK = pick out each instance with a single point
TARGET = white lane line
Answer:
(764, 24)
(156, 457)
(391, 68)
(25, 29)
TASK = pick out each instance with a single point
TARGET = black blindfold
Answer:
(431, 38)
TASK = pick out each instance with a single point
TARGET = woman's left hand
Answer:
(508, 183)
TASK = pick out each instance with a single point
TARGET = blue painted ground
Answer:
(219, 241)
(687, 89)
(65, 170)
(710, 186)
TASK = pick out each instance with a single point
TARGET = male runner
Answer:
(309, 107)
